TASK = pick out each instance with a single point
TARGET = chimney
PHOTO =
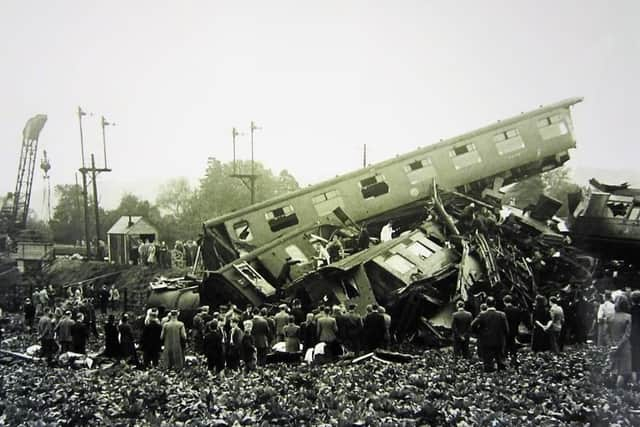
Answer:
(130, 222)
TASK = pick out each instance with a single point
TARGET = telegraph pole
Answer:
(364, 156)
(249, 180)
(84, 187)
(93, 170)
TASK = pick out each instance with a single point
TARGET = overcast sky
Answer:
(320, 78)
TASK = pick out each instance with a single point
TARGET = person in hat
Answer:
(173, 335)
(150, 340)
(63, 330)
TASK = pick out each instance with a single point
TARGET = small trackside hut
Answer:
(126, 234)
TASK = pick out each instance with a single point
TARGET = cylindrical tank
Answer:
(185, 300)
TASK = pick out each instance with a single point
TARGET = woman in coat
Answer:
(111, 342)
(619, 337)
(173, 335)
(127, 346)
(539, 337)
(308, 334)
(291, 336)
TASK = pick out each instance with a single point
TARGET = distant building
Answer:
(125, 236)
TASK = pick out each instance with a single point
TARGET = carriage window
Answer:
(373, 186)
(281, 218)
(420, 250)
(243, 231)
(399, 263)
(508, 141)
(464, 156)
(552, 127)
(420, 170)
(417, 165)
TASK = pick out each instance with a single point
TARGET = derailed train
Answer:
(268, 252)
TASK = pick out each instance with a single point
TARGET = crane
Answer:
(15, 210)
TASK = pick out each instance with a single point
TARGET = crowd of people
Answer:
(230, 339)
(613, 322)
(150, 253)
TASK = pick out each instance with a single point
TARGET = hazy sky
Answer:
(321, 78)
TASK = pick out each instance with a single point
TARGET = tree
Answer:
(67, 223)
(175, 196)
(220, 193)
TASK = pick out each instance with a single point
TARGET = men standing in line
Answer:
(461, 328)
(492, 329)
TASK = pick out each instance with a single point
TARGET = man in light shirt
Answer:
(386, 233)
(606, 312)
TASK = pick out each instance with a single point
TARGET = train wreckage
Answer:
(447, 236)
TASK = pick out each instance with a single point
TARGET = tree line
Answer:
(179, 208)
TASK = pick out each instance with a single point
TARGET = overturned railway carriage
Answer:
(246, 251)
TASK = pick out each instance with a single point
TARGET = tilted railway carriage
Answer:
(495, 155)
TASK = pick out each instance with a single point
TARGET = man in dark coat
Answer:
(260, 333)
(234, 348)
(327, 331)
(103, 298)
(79, 335)
(214, 346)
(353, 332)
(150, 341)
(492, 329)
(29, 313)
(127, 347)
(515, 316)
(373, 329)
(461, 328)
(63, 330)
(111, 343)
